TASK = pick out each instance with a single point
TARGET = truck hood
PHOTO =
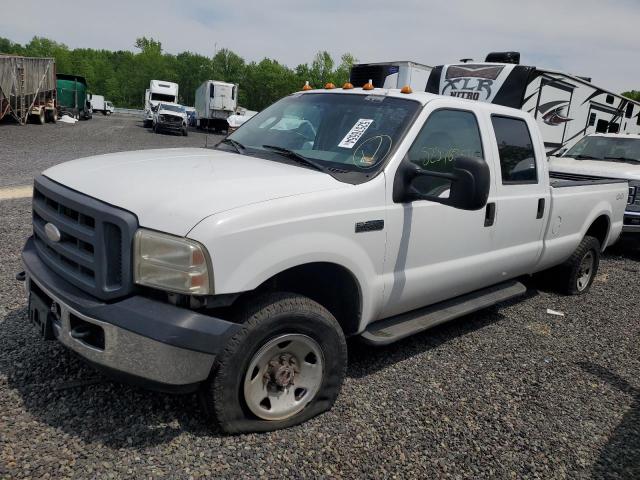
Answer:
(162, 111)
(598, 168)
(171, 190)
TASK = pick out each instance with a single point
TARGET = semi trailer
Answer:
(28, 89)
(215, 102)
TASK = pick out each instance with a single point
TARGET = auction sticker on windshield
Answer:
(353, 135)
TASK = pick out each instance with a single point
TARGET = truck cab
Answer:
(158, 91)
(239, 271)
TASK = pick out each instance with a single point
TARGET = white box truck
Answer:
(215, 102)
(159, 91)
(99, 104)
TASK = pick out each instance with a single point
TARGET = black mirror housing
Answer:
(470, 183)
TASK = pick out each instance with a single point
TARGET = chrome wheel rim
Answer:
(283, 376)
(585, 271)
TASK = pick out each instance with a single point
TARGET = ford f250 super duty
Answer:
(239, 271)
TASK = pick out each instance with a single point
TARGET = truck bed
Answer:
(560, 180)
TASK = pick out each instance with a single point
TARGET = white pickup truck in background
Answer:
(240, 271)
(608, 155)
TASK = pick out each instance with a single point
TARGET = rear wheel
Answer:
(576, 275)
(41, 118)
(284, 367)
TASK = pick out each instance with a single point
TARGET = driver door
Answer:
(436, 252)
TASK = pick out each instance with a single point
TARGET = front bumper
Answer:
(143, 340)
(175, 127)
(631, 222)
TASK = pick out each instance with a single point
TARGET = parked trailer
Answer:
(72, 96)
(566, 107)
(215, 102)
(391, 74)
(28, 88)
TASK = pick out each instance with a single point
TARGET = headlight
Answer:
(171, 263)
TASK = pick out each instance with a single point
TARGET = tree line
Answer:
(123, 76)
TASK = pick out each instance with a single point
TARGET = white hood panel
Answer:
(598, 168)
(171, 190)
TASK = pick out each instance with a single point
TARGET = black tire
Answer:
(41, 117)
(185, 132)
(265, 318)
(570, 276)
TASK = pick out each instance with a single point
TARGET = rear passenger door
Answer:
(522, 194)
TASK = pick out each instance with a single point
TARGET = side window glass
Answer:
(517, 157)
(446, 135)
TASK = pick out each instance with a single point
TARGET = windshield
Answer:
(163, 97)
(352, 133)
(606, 148)
(172, 108)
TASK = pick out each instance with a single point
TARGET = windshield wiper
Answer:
(237, 145)
(295, 156)
(583, 157)
(623, 159)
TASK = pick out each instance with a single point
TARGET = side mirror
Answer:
(468, 184)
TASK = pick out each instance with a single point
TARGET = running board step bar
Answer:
(389, 330)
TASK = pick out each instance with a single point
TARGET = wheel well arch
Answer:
(599, 229)
(331, 285)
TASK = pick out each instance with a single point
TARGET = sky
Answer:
(595, 38)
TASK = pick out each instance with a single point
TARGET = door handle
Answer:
(540, 213)
(490, 214)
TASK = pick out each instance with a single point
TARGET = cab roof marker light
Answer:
(368, 85)
(406, 89)
(347, 86)
(329, 86)
(307, 86)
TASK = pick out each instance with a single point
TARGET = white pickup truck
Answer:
(239, 271)
(606, 155)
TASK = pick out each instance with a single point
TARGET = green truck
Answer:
(72, 96)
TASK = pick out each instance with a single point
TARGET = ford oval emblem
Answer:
(52, 232)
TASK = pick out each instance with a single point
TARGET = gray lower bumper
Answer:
(631, 222)
(129, 353)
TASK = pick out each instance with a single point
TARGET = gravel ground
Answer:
(511, 392)
(26, 150)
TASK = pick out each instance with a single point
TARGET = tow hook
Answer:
(21, 276)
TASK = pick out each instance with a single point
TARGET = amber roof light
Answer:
(368, 85)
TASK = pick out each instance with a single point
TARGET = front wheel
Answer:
(284, 367)
(576, 275)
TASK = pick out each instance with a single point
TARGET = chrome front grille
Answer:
(93, 251)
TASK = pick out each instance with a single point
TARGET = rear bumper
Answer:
(143, 340)
(631, 222)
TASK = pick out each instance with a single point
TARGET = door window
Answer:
(446, 135)
(517, 157)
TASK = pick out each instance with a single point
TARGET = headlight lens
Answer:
(171, 263)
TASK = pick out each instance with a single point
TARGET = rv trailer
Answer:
(566, 107)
